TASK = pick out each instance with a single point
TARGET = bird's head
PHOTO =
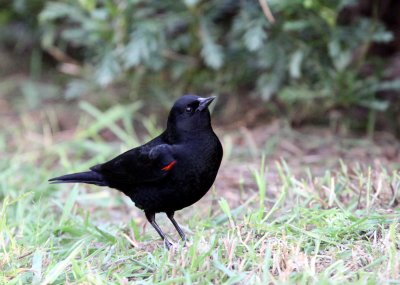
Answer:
(190, 113)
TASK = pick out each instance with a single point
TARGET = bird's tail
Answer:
(88, 177)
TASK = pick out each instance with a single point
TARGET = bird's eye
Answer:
(189, 109)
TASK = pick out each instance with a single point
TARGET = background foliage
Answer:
(308, 62)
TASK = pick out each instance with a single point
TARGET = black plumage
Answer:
(170, 172)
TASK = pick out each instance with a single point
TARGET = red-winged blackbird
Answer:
(170, 172)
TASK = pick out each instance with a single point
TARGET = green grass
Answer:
(337, 228)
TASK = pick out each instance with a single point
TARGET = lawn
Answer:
(289, 207)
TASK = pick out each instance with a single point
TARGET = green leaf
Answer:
(225, 207)
(37, 262)
(69, 204)
(378, 105)
(60, 267)
(139, 49)
(211, 52)
(191, 3)
(295, 64)
(255, 36)
(88, 5)
(57, 10)
(108, 69)
(76, 88)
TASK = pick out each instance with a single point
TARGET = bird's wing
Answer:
(139, 165)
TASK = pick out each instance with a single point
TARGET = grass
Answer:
(338, 227)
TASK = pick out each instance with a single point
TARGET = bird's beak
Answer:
(204, 102)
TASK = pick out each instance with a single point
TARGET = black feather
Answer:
(88, 177)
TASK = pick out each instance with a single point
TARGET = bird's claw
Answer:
(168, 244)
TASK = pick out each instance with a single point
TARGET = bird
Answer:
(170, 172)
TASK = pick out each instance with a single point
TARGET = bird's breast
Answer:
(196, 170)
(188, 180)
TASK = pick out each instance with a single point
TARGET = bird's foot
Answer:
(168, 244)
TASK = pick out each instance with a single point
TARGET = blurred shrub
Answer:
(19, 26)
(223, 46)
(21, 53)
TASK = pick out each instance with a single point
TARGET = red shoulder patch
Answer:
(169, 166)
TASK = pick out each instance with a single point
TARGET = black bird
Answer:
(170, 172)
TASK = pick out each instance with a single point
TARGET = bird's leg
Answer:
(151, 218)
(170, 216)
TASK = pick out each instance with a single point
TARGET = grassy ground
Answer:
(288, 207)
